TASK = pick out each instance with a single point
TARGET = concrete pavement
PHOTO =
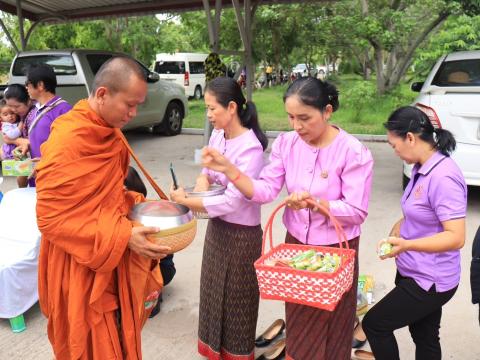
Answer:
(171, 335)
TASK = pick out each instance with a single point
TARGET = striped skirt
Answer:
(229, 293)
(315, 334)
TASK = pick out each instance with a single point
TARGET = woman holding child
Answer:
(17, 98)
(229, 295)
(319, 161)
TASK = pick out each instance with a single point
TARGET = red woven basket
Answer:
(317, 289)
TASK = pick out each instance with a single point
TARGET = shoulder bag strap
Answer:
(140, 165)
(43, 112)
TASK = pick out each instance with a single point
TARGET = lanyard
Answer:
(43, 112)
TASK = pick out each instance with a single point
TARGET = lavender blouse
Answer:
(340, 173)
(246, 153)
(436, 193)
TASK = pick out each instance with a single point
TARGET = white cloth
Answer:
(19, 247)
(11, 130)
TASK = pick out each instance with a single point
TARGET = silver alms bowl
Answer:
(162, 214)
(213, 190)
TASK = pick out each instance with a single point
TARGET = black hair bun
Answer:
(332, 93)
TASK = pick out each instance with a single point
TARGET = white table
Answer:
(19, 247)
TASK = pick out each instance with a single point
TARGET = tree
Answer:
(395, 29)
(458, 33)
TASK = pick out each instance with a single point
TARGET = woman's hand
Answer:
(297, 200)
(399, 245)
(212, 159)
(33, 175)
(395, 232)
(202, 183)
(21, 149)
(178, 195)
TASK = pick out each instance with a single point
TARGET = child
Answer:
(11, 127)
(134, 182)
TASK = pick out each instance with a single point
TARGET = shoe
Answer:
(275, 352)
(359, 337)
(271, 333)
(362, 355)
(156, 308)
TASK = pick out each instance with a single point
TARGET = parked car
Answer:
(301, 70)
(184, 69)
(164, 108)
(450, 96)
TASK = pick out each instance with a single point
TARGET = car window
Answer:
(197, 67)
(97, 60)
(458, 73)
(62, 64)
(170, 67)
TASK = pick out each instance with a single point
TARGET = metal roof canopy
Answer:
(61, 11)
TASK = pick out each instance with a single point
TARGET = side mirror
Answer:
(153, 77)
(417, 86)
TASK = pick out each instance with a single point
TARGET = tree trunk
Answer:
(378, 54)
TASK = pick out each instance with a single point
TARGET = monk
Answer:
(98, 274)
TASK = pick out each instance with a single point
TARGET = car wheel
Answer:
(197, 94)
(172, 120)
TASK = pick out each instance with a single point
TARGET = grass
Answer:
(361, 110)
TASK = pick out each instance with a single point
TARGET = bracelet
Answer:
(236, 177)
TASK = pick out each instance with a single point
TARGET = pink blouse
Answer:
(340, 173)
(246, 153)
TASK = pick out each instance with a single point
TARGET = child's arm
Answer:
(20, 126)
(11, 131)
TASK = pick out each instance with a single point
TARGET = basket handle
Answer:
(140, 165)
(342, 238)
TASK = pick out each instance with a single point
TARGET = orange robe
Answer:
(96, 293)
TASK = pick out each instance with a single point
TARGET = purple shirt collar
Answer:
(51, 101)
(429, 164)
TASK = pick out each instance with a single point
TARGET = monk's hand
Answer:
(141, 245)
(213, 160)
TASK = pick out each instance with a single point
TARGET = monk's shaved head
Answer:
(116, 73)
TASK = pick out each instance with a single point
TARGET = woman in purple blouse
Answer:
(17, 98)
(426, 240)
(321, 161)
(229, 295)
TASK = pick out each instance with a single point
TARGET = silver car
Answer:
(165, 106)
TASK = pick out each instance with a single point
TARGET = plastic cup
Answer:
(17, 324)
(198, 156)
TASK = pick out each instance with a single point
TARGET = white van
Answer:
(450, 96)
(185, 69)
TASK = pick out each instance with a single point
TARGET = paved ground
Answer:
(172, 334)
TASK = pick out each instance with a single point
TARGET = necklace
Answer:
(224, 145)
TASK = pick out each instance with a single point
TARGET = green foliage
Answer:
(458, 33)
(354, 92)
(358, 98)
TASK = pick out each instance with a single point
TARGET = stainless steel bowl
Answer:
(213, 190)
(162, 214)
